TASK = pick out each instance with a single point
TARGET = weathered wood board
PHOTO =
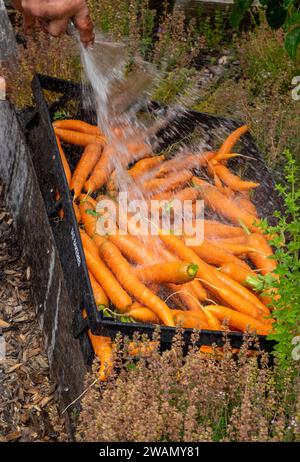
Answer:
(53, 307)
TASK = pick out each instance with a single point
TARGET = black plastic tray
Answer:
(51, 177)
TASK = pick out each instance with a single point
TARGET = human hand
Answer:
(54, 16)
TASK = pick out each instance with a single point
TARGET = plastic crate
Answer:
(52, 181)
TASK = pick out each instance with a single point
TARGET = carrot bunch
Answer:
(161, 279)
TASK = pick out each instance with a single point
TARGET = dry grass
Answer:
(259, 93)
(172, 397)
(57, 57)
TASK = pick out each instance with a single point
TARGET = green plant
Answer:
(284, 285)
(279, 13)
(212, 28)
(61, 114)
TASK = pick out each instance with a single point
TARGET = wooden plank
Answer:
(54, 310)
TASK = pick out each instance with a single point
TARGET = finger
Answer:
(57, 27)
(84, 24)
(17, 4)
(29, 23)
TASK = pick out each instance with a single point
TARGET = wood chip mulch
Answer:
(28, 411)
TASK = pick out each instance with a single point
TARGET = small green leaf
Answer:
(276, 14)
(238, 12)
(292, 41)
(293, 20)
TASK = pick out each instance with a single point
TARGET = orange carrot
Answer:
(184, 162)
(131, 248)
(165, 184)
(102, 347)
(216, 255)
(236, 273)
(142, 349)
(261, 258)
(230, 141)
(188, 297)
(176, 271)
(238, 320)
(64, 161)
(232, 180)
(212, 320)
(122, 269)
(78, 138)
(119, 298)
(77, 126)
(99, 294)
(208, 276)
(224, 206)
(88, 244)
(142, 314)
(198, 289)
(144, 165)
(88, 217)
(104, 167)
(234, 248)
(84, 167)
(184, 194)
(246, 205)
(189, 320)
(216, 229)
(229, 240)
(245, 294)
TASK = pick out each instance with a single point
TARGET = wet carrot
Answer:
(131, 248)
(232, 180)
(102, 170)
(142, 349)
(212, 320)
(168, 183)
(246, 205)
(183, 195)
(78, 138)
(236, 273)
(119, 298)
(234, 248)
(144, 165)
(198, 289)
(177, 272)
(188, 297)
(77, 126)
(261, 258)
(88, 216)
(208, 276)
(189, 320)
(105, 166)
(84, 167)
(99, 294)
(103, 349)
(246, 295)
(142, 314)
(216, 229)
(230, 141)
(238, 320)
(216, 255)
(224, 206)
(64, 161)
(184, 162)
(88, 244)
(122, 270)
